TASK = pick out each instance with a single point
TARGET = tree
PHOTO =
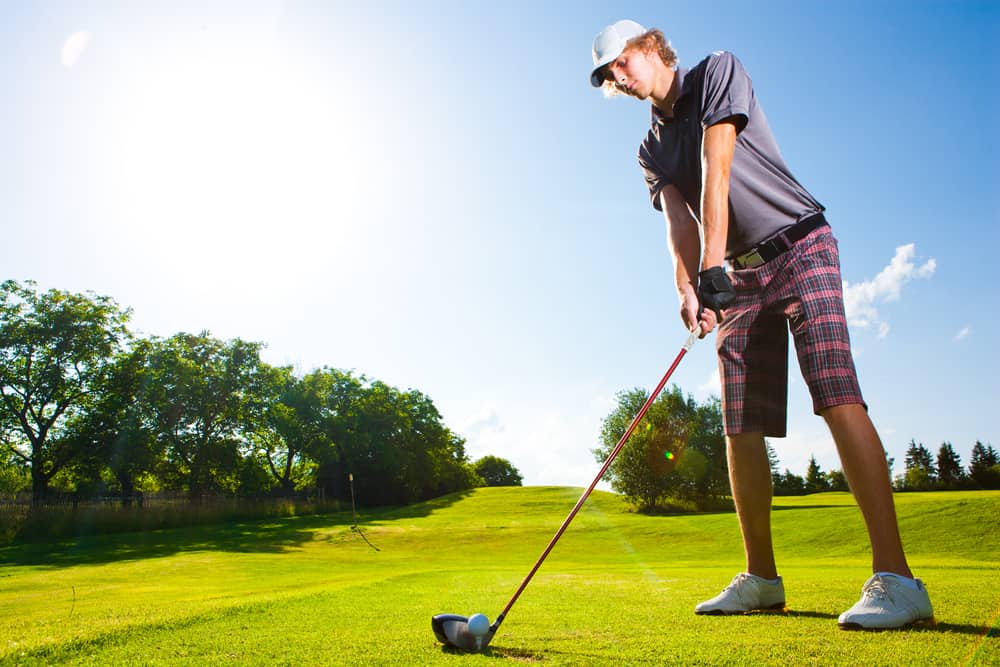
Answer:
(789, 484)
(920, 474)
(837, 481)
(286, 430)
(984, 466)
(393, 442)
(116, 432)
(677, 451)
(55, 348)
(704, 468)
(949, 467)
(496, 471)
(642, 472)
(816, 481)
(399, 449)
(14, 477)
(204, 393)
(329, 410)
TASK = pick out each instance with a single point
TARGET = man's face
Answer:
(633, 72)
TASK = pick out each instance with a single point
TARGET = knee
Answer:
(843, 414)
(850, 425)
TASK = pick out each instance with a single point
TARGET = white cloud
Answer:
(73, 48)
(860, 300)
(487, 420)
(712, 386)
(549, 445)
(962, 334)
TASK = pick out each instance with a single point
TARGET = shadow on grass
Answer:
(416, 510)
(958, 628)
(783, 508)
(799, 613)
(499, 653)
(965, 629)
(266, 535)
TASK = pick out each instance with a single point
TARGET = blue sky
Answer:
(432, 194)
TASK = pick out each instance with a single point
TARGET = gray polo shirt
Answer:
(764, 197)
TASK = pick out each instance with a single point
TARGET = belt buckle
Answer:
(751, 260)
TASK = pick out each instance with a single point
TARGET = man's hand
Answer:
(691, 313)
(715, 291)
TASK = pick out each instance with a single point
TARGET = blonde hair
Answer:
(651, 40)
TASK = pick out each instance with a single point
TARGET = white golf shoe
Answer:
(745, 593)
(886, 602)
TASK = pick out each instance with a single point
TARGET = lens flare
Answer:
(669, 456)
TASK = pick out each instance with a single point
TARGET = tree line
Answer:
(945, 471)
(87, 408)
(677, 458)
(922, 472)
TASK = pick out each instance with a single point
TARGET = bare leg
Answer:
(750, 479)
(867, 474)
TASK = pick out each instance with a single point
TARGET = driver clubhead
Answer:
(453, 630)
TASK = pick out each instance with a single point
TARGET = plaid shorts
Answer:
(799, 290)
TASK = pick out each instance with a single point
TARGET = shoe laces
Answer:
(876, 589)
(736, 584)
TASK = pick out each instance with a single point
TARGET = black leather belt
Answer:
(767, 250)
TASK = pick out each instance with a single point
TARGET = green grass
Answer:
(619, 587)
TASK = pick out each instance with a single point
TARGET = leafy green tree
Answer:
(400, 450)
(920, 474)
(496, 471)
(644, 470)
(677, 451)
(204, 394)
(55, 348)
(14, 477)
(288, 430)
(453, 470)
(816, 481)
(949, 467)
(393, 442)
(984, 466)
(329, 409)
(789, 484)
(116, 433)
(704, 466)
(837, 480)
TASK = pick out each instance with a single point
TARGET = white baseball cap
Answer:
(610, 43)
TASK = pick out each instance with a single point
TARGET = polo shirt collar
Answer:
(684, 82)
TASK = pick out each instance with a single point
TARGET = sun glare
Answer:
(236, 158)
(74, 47)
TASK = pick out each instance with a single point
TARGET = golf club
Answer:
(472, 633)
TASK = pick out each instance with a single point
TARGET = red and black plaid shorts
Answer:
(800, 290)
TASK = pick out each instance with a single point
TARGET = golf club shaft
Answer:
(607, 464)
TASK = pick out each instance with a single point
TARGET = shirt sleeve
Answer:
(727, 91)
(654, 179)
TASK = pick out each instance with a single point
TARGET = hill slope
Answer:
(618, 588)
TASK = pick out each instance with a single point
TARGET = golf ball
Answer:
(479, 625)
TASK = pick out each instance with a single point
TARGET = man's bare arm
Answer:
(717, 148)
(684, 240)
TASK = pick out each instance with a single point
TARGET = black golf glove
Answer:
(715, 291)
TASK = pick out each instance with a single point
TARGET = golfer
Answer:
(754, 256)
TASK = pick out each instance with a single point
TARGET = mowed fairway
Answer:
(619, 588)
